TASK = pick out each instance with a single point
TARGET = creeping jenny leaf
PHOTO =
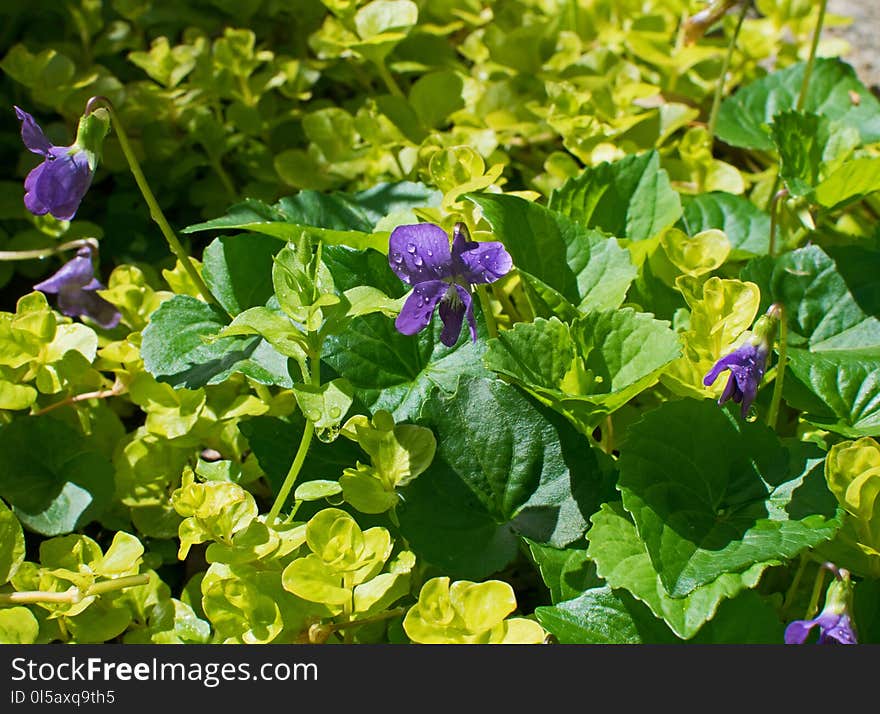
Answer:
(711, 494)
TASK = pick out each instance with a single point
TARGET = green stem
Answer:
(808, 71)
(776, 399)
(795, 583)
(728, 57)
(389, 80)
(348, 607)
(218, 169)
(573, 12)
(486, 304)
(816, 594)
(387, 615)
(73, 594)
(774, 219)
(299, 459)
(46, 252)
(155, 211)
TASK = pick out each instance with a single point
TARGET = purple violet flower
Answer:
(58, 184)
(420, 256)
(747, 363)
(835, 624)
(75, 284)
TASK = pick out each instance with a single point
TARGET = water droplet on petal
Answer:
(417, 259)
(313, 415)
(335, 412)
(410, 247)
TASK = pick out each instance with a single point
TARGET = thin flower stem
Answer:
(305, 442)
(808, 71)
(155, 210)
(722, 80)
(73, 594)
(795, 584)
(228, 186)
(486, 304)
(776, 399)
(388, 79)
(774, 220)
(46, 252)
(813, 607)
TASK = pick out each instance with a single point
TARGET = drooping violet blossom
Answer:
(834, 622)
(75, 284)
(420, 255)
(747, 363)
(58, 184)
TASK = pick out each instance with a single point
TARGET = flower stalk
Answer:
(302, 450)
(155, 210)
(782, 351)
(811, 61)
(725, 66)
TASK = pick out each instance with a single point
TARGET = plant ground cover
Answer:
(461, 321)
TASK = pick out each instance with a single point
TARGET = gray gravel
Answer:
(863, 36)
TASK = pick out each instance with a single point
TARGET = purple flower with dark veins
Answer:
(747, 363)
(420, 256)
(58, 184)
(75, 284)
(835, 624)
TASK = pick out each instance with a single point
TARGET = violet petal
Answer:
(62, 183)
(797, 632)
(31, 133)
(485, 263)
(452, 313)
(419, 252)
(419, 306)
(31, 201)
(74, 274)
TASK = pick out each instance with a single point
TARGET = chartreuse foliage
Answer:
(279, 464)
